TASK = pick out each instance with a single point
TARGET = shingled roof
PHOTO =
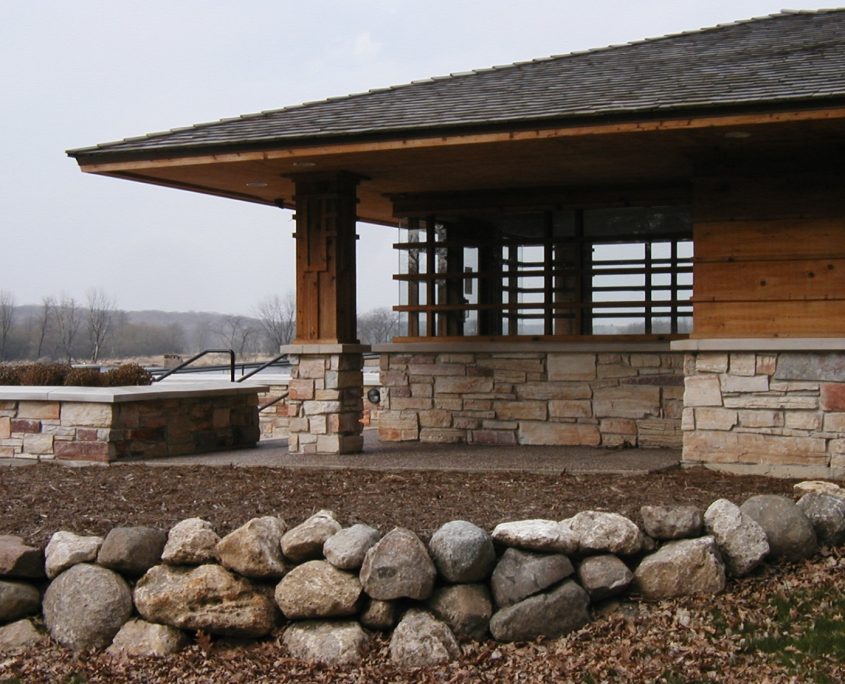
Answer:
(788, 59)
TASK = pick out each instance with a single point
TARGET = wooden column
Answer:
(325, 258)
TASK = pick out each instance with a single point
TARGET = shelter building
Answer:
(638, 245)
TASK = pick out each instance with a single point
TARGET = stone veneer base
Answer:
(107, 424)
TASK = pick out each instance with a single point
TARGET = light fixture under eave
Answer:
(737, 135)
(304, 164)
(256, 184)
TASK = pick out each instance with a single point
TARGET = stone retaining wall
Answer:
(607, 399)
(142, 591)
(121, 423)
(777, 413)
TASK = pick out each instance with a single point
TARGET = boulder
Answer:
(132, 550)
(790, 533)
(420, 640)
(537, 535)
(466, 608)
(742, 541)
(254, 549)
(191, 542)
(378, 615)
(550, 614)
(85, 606)
(346, 549)
(520, 574)
(19, 635)
(142, 638)
(827, 515)
(687, 567)
(604, 576)
(329, 643)
(305, 541)
(17, 600)
(207, 597)
(818, 487)
(672, 522)
(66, 549)
(17, 559)
(462, 552)
(601, 532)
(317, 589)
(398, 566)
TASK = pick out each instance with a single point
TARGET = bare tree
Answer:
(278, 319)
(377, 326)
(100, 319)
(236, 332)
(7, 319)
(68, 320)
(45, 318)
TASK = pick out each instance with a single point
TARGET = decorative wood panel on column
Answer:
(325, 258)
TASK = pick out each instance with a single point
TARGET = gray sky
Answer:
(78, 73)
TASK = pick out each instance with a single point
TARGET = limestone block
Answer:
(762, 418)
(492, 437)
(645, 360)
(40, 410)
(455, 358)
(619, 426)
(803, 420)
(560, 408)
(571, 366)
(766, 364)
(38, 444)
(462, 385)
(520, 410)
(616, 371)
(311, 368)
(825, 366)
(629, 401)
(688, 419)
(86, 414)
(510, 364)
(422, 389)
(749, 447)
(545, 391)
(313, 408)
(737, 384)
(5, 427)
(443, 435)
(702, 390)
(449, 403)
(710, 418)
(809, 403)
(833, 422)
(21, 426)
(410, 403)
(565, 434)
(711, 363)
(743, 364)
(301, 390)
(833, 396)
(429, 370)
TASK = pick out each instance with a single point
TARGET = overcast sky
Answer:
(88, 71)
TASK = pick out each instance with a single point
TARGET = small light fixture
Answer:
(304, 164)
(737, 135)
(374, 396)
(256, 184)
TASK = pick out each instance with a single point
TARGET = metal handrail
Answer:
(261, 367)
(182, 365)
(273, 401)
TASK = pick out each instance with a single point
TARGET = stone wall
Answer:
(589, 398)
(274, 420)
(109, 430)
(325, 399)
(141, 591)
(780, 413)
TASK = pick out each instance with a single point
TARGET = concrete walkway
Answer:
(417, 456)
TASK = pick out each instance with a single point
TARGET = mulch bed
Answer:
(685, 640)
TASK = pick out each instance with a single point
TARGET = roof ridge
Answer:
(464, 74)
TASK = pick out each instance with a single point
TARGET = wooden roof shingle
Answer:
(788, 59)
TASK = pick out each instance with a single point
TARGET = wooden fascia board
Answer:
(411, 142)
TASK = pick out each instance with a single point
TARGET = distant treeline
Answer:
(65, 329)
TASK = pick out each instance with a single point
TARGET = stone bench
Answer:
(111, 423)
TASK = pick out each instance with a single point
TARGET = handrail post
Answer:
(231, 365)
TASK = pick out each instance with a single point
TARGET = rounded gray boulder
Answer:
(85, 606)
(462, 552)
(790, 533)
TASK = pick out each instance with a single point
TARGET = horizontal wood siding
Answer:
(769, 257)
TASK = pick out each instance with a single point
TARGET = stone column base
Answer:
(325, 399)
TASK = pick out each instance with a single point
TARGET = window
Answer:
(554, 273)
